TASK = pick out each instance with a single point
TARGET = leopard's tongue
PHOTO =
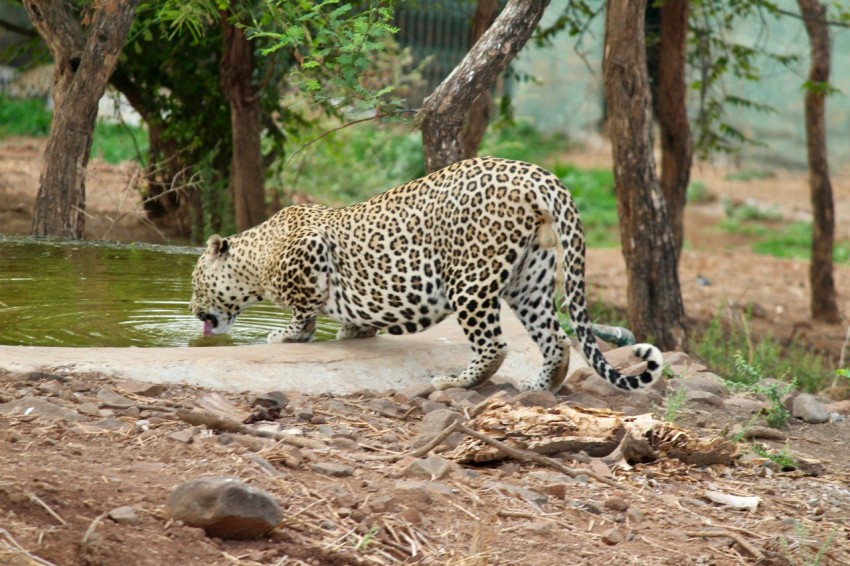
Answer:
(208, 328)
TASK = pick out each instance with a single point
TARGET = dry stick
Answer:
(92, 527)
(36, 499)
(16, 547)
(754, 552)
(224, 424)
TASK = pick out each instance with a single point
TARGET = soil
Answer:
(83, 452)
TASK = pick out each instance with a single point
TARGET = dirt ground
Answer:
(347, 484)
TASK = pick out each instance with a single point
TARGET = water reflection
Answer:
(95, 294)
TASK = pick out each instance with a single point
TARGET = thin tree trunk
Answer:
(84, 61)
(672, 111)
(823, 303)
(247, 177)
(478, 117)
(654, 298)
(443, 113)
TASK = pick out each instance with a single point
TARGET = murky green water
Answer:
(94, 294)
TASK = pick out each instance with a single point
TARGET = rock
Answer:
(585, 380)
(751, 405)
(523, 493)
(427, 488)
(543, 399)
(185, 435)
(622, 357)
(272, 399)
(435, 421)
(124, 515)
(676, 359)
(332, 469)
(226, 508)
(705, 381)
(550, 477)
(89, 409)
(698, 396)
(36, 407)
(383, 406)
(613, 536)
(418, 390)
(616, 503)
(430, 468)
(141, 388)
(840, 407)
(459, 396)
(426, 405)
(107, 395)
(809, 409)
(344, 443)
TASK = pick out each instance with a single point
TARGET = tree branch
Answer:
(15, 28)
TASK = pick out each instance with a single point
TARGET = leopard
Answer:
(459, 241)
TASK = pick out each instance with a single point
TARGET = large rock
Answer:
(809, 409)
(224, 507)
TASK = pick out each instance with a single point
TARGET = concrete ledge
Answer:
(339, 367)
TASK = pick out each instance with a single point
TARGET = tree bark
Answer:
(654, 298)
(444, 111)
(672, 112)
(478, 117)
(247, 181)
(823, 303)
(84, 62)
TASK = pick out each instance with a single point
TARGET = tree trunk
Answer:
(676, 143)
(84, 62)
(443, 113)
(247, 179)
(478, 117)
(823, 304)
(654, 298)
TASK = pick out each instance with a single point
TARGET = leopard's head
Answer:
(221, 287)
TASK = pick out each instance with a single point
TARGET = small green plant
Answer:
(23, 117)
(749, 211)
(729, 334)
(750, 175)
(367, 539)
(783, 459)
(776, 415)
(673, 405)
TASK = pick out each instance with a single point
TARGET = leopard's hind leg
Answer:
(531, 295)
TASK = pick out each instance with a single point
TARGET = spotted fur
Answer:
(456, 241)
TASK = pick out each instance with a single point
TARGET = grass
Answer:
(728, 347)
(113, 143)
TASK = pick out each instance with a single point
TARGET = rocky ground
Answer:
(87, 465)
(687, 473)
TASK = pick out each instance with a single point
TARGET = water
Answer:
(95, 294)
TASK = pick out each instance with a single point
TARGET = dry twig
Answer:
(752, 550)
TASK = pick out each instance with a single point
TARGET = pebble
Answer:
(809, 409)
(523, 493)
(543, 399)
(585, 380)
(270, 399)
(613, 536)
(225, 508)
(432, 468)
(140, 388)
(616, 503)
(89, 409)
(332, 469)
(699, 396)
(705, 381)
(750, 405)
(184, 435)
(124, 515)
(435, 421)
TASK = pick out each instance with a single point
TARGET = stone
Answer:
(141, 388)
(88, 408)
(424, 490)
(124, 515)
(613, 536)
(426, 405)
(549, 477)
(459, 395)
(705, 381)
(436, 421)
(107, 395)
(676, 359)
(332, 469)
(809, 409)
(585, 380)
(698, 396)
(271, 399)
(225, 508)
(184, 435)
(417, 390)
(430, 468)
(622, 357)
(523, 493)
(37, 407)
(543, 399)
(383, 406)
(616, 503)
(747, 404)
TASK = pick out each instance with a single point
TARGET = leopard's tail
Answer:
(570, 266)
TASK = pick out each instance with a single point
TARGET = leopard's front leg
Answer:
(299, 329)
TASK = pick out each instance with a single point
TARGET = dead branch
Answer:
(752, 550)
(224, 424)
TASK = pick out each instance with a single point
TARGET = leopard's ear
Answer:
(217, 246)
